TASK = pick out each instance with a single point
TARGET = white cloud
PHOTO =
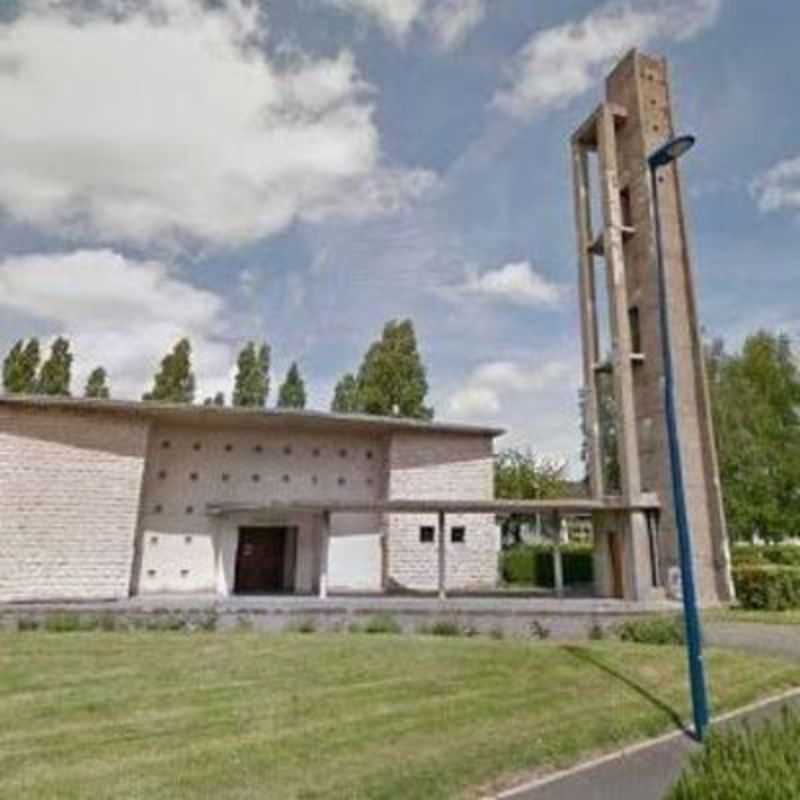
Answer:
(121, 314)
(779, 187)
(516, 282)
(447, 21)
(491, 383)
(164, 119)
(560, 63)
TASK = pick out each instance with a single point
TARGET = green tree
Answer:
(174, 382)
(20, 367)
(345, 395)
(217, 400)
(292, 393)
(56, 373)
(521, 475)
(252, 376)
(97, 385)
(391, 379)
(607, 423)
(755, 397)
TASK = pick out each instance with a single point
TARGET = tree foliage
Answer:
(174, 382)
(56, 372)
(391, 380)
(607, 423)
(97, 384)
(251, 388)
(292, 393)
(755, 398)
(20, 368)
(345, 395)
(217, 400)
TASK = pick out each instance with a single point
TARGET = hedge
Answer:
(767, 587)
(786, 555)
(532, 565)
(745, 764)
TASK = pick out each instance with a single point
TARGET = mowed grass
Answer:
(791, 617)
(167, 716)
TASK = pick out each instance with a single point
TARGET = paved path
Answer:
(640, 773)
(646, 772)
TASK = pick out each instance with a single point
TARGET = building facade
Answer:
(105, 499)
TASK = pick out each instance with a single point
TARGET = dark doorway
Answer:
(616, 547)
(260, 559)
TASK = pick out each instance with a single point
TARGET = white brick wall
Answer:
(184, 551)
(69, 499)
(442, 466)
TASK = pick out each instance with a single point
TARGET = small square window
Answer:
(162, 474)
(314, 480)
(228, 448)
(190, 509)
(342, 481)
(315, 452)
(286, 479)
(184, 573)
(369, 455)
(225, 477)
(458, 534)
(343, 453)
(256, 477)
(154, 540)
(287, 450)
(427, 534)
(193, 476)
(151, 573)
(197, 446)
(158, 508)
(165, 444)
(258, 448)
(187, 539)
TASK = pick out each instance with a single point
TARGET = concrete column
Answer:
(325, 535)
(442, 540)
(558, 568)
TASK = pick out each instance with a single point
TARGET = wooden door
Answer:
(259, 560)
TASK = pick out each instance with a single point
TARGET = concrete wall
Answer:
(69, 498)
(441, 467)
(183, 550)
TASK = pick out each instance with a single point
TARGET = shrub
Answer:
(786, 555)
(64, 623)
(533, 565)
(742, 764)
(442, 627)
(652, 630)
(766, 587)
(307, 625)
(382, 623)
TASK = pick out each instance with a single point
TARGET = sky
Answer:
(303, 171)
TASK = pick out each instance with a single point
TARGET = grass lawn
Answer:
(168, 716)
(767, 617)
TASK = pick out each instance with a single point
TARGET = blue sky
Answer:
(302, 171)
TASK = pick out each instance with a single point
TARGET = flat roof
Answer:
(231, 416)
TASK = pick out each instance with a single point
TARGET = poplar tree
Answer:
(20, 367)
(56, 372)
(345, 395)
(174, 382)
(97, 385)
(292, 393)
(252, 376)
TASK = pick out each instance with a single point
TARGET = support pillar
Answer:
(324, 545)
(442, 557)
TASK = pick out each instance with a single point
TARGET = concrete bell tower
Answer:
(636, 550)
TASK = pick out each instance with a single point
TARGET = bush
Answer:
(532, 565)
(382, 623)
(767, 587)
(742, 764)
(785, 555)
(653, 630)
(442, 627)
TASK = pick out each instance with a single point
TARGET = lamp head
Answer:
(671, 151)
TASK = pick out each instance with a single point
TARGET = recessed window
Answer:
(151, 573)
(165, 445)
(255, 477)
(193, 476)
(258, 448)
(343, 453)
(314, 480)
(187, 539)
(286, 479)
(225, 477)
(342, 481)
(162, 473)
(427, 533)
(315, 452)
(154, 540)
(369, 481)
(158, 508)
(636, 329)
(190, 509)
(184, 573)
(369, 455)
(197, 446)
(287, 450)
(458, 534)
(228, 448)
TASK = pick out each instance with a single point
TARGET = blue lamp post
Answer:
(665, 155)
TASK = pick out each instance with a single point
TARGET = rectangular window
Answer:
(636, 330)
(427, 533)
(458, 534)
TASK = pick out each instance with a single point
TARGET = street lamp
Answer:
(665, 155)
